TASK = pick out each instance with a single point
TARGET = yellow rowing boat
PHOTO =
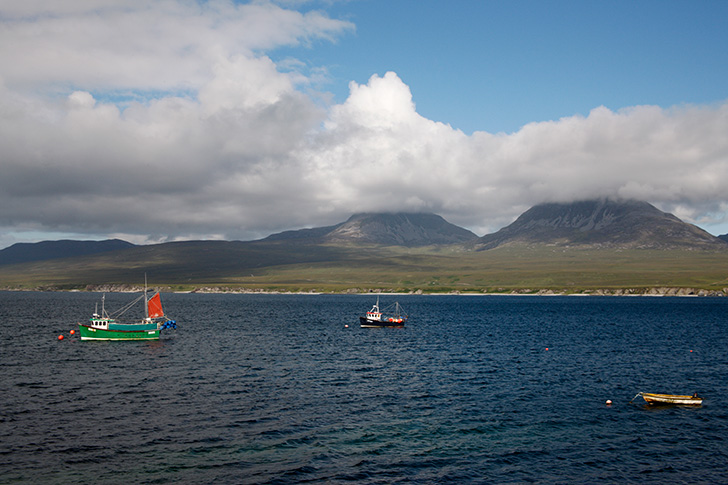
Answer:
(652, 398)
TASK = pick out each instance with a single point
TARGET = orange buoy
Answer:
(72, 332)
(60, 337)
(609, 402)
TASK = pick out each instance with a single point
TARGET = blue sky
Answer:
(496, 66)
(218, 120)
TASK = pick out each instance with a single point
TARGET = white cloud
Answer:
(224, 144)
(392, 157)
(163, 46)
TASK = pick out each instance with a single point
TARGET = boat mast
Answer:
(146, 307)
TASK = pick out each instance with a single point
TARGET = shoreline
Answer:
(629, 292)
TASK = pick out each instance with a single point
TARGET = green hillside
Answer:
(292, 266)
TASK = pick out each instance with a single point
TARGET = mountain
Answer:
(395, 229)
(369, 253)
(40, 251)
(602, 224)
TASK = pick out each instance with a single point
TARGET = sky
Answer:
(179, 119)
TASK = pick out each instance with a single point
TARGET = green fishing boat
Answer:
(105, 326)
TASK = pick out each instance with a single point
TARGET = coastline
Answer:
(633, 292)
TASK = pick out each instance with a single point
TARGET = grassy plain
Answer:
(504, 270)
(295, 267)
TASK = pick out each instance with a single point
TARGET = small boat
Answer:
(652, 398)
(104, 326)
(392, 316)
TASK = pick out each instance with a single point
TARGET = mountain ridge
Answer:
(601, 224)
(596, 225)
(343, 257)
(65, 248)
(409, 229)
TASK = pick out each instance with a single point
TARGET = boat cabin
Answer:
(374, 314)
(99, 322)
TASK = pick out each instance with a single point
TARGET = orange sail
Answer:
(154, 305)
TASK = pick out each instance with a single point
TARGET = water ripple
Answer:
(276, 389)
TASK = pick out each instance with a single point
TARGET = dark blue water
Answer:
(275, 389)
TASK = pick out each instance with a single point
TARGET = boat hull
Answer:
(366, 323)
(90, 333)
(661, 399)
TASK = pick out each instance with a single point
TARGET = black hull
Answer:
(374, 323)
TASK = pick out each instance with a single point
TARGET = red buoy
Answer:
(72, 332)
(60, 337)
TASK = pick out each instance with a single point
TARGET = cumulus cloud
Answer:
(135, 44)
(167, 120)
(377, 147)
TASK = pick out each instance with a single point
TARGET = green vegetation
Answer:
(291, 266)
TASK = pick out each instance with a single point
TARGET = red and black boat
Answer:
(392, 316)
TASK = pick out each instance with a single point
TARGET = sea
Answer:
(282, 388)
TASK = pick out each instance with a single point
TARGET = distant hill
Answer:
(602, 224)
(373, 253)
(45, 250)
(396, 229)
